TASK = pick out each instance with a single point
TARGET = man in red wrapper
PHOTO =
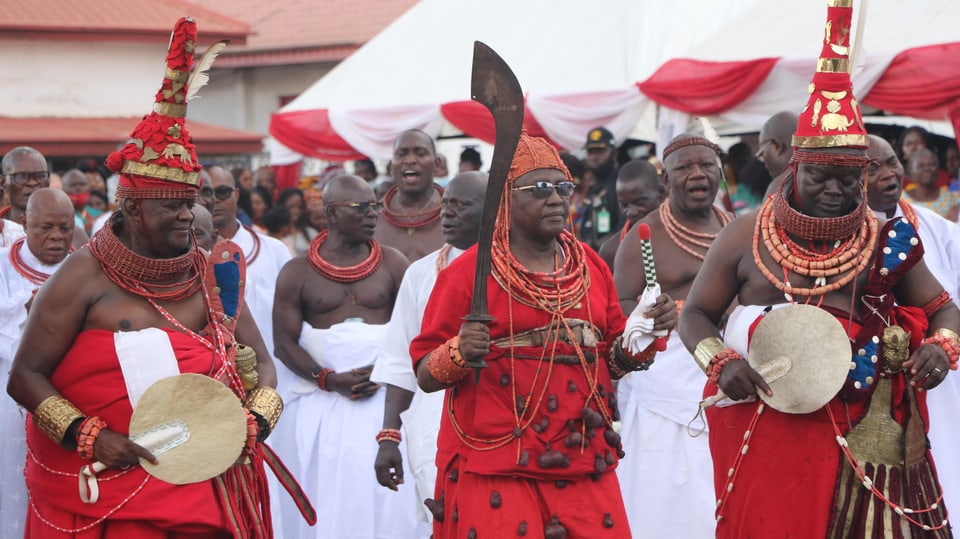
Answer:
(530, 449)
(138, 304)
(860, 465)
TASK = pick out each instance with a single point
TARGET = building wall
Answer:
(245, 98)
(78, 79)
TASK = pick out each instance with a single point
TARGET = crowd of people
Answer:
(374, 399)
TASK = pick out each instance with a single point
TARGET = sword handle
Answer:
(477, 363)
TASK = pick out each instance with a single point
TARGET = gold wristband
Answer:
(266, 402)
(706, 350)
(54, 416)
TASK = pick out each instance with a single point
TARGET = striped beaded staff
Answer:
(650, 271)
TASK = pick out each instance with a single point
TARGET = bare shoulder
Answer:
(293, 270)
(395, 261)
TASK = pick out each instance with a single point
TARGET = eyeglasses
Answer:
(21, 178)
(763, 146)
(362, 207)
(454, 204)
(223, 192)
(544, 189)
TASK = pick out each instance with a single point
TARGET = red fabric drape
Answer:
(923, 82)
(476, 121)
(286, 175)
(699, 87)
(309, 132)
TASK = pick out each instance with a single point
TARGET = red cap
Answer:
(159, 161)
(832, 118)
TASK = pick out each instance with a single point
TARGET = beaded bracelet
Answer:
(718, 361)
(949, 342)
(443, 365)
(455, 356)
(389, 435)
(87, 435)
(253, 431)
(936, 303)
(321, 375)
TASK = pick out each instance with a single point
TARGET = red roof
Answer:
(79, 137)
(310, 31)
(113, 20)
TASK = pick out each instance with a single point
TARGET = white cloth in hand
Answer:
(638, 333)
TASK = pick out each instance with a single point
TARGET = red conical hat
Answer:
(159, 160)
(832, 118)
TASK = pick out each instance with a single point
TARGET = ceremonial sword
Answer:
(493, 85)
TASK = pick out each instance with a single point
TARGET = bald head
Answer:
(351, 209)
(49, 225)
(472, 183)
(203, 228)
(776, 147)
(461, 207)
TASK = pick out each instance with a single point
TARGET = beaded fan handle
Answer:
(649, 270)
(646, 251)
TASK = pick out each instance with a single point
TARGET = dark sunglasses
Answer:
(544, 189)
(362, 207)
(223, 192)
(21, 178)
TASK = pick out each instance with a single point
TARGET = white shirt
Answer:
(394, 366)
(261, 278)
(11, 232)
(15, 292)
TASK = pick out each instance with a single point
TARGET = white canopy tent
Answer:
(579, 64)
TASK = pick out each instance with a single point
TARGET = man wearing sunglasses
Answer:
(420, 412)
(674, 469)
(265, 255)
(530, 449)
(330, 315)
(25, 171)
(775, 150)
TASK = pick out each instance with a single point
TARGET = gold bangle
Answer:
(266, 402)
(54, 416)
(706, 350)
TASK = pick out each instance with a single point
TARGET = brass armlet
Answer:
(267, 403)
(706, 350)
(54, 416)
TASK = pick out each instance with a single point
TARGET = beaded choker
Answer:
(815, 228)
(144, 276)
(412, 220)
(28, 273)
(844, 262)
(556, 291)
(688, 239)
(344, 274)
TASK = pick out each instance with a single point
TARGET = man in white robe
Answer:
(265, 255)
(24, 266)
(330, 315)
(941, 246)
(406, 404)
